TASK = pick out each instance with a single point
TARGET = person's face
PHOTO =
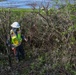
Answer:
(15, 29)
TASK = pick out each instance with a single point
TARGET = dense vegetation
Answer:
(51, 46)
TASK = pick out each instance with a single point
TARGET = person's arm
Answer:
(8, 43)
(24, 38)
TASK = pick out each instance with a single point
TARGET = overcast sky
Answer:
(23, 3)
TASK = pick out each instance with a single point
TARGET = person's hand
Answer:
(13, 48)
(25, 39)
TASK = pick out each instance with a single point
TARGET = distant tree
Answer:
(33, 5)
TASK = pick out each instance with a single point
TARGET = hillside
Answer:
(51, 46)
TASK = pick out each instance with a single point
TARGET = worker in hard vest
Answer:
(16, 41)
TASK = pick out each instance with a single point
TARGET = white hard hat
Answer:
(15, 25)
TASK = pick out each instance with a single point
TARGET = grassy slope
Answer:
(17, 9)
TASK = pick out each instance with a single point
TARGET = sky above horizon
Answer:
(23, 3)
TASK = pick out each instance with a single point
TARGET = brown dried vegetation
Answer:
(51, 46)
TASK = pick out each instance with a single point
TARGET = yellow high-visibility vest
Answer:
(16, 39)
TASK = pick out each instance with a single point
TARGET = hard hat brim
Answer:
(15, 26)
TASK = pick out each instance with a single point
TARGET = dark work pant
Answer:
(19, 52)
